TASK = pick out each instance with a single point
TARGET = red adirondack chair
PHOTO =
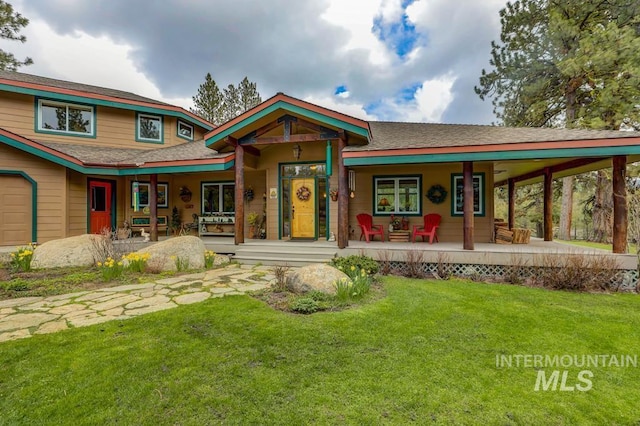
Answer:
(431, 223)
(368, 228)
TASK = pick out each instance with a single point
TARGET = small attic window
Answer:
(185, 131)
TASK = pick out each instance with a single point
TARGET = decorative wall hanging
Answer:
(185, 194)
(303, 193)
(437, 194)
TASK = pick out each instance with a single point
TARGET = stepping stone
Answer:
(115, 312)
(65, 296)
(149, 309)
(109, 296)
(110, 304)
(151, 301)
(187, 299)
(6, 311)
(129, 287)
(90, 296)
(13, 335)
(52, 327)
(89, 320)
(65, 309)
(19, 301)
(220, 290)
(18, 321)
(85, 312)
(169, 281)
(194, 277)
(234, 293)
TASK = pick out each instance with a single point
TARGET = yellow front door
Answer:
(303, 208)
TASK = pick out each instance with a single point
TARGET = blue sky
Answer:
(402, 60)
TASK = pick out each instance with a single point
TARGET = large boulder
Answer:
(319, 277)
(189, 249)
(83, 250)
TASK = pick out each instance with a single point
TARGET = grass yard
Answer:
(426, 353)
(593, 244)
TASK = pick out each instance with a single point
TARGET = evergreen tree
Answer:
(10, 25)
(218, 106)
(567, 63)
(208, 101)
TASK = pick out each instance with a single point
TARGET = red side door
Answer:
(100, 206)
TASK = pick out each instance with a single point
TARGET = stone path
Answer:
(26, 316)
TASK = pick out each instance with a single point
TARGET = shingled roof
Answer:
(392, 135)
(108, 156)
(61, 84)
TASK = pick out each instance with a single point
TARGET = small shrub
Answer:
(515, 272)
(356, 263)
(280, 273)
(343, 290)
(209, 257)
(304, 305)
(414, 260)
(442, 268)
(577, 272)
(182, 264)
(21, 258)
(110, 269)
(136, 262)
(384, 259)
(319, 296)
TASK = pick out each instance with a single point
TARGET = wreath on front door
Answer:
(437, 194)
(303, 193)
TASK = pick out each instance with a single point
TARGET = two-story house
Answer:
(78, 159)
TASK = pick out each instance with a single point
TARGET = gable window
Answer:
(457, 201)
(185, 130)
(149, 128)
(396, 195)
(64, 118)
(218, 198)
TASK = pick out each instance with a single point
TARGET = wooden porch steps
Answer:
(292, 253)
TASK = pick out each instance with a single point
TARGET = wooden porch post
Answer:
(343, 196)
(619, 204)
(548, 205)
(153, 207)
(512, 203)
(239, 202)
(467, 177)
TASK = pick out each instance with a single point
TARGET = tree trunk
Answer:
(602, 209)
(564, 233)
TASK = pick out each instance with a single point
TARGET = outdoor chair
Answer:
(430, 228)
(365, 221)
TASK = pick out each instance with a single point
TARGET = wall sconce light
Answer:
(297, 150)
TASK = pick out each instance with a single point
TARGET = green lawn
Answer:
(426, 353)
(592, 244)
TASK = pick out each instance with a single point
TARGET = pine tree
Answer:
(218, 106)
(567, 63)
(10, 25)
(208, 101)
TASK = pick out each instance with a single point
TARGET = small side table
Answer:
(399, 236)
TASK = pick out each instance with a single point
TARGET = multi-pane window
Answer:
(185, 130)
(397, 195)
(66, 118)
(218, 198)
(149, 128)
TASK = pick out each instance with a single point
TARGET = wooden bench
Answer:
(139, 222)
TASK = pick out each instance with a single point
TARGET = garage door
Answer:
(15, 211)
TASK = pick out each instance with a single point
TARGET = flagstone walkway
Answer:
(24, 317)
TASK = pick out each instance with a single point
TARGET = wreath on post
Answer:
(437, 194)
(303, 193)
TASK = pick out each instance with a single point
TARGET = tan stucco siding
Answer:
(114, 127)
(52, 190)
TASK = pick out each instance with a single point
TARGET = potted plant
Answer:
(396, 222)
(253, 219)
(333, 193)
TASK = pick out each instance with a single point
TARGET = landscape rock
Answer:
(317, 277)
(188, 248)
(82, 250)
(221, 259)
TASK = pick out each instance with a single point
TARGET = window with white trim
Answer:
(60, 117)
(185, 130)
(149, 128)
(397, 195)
